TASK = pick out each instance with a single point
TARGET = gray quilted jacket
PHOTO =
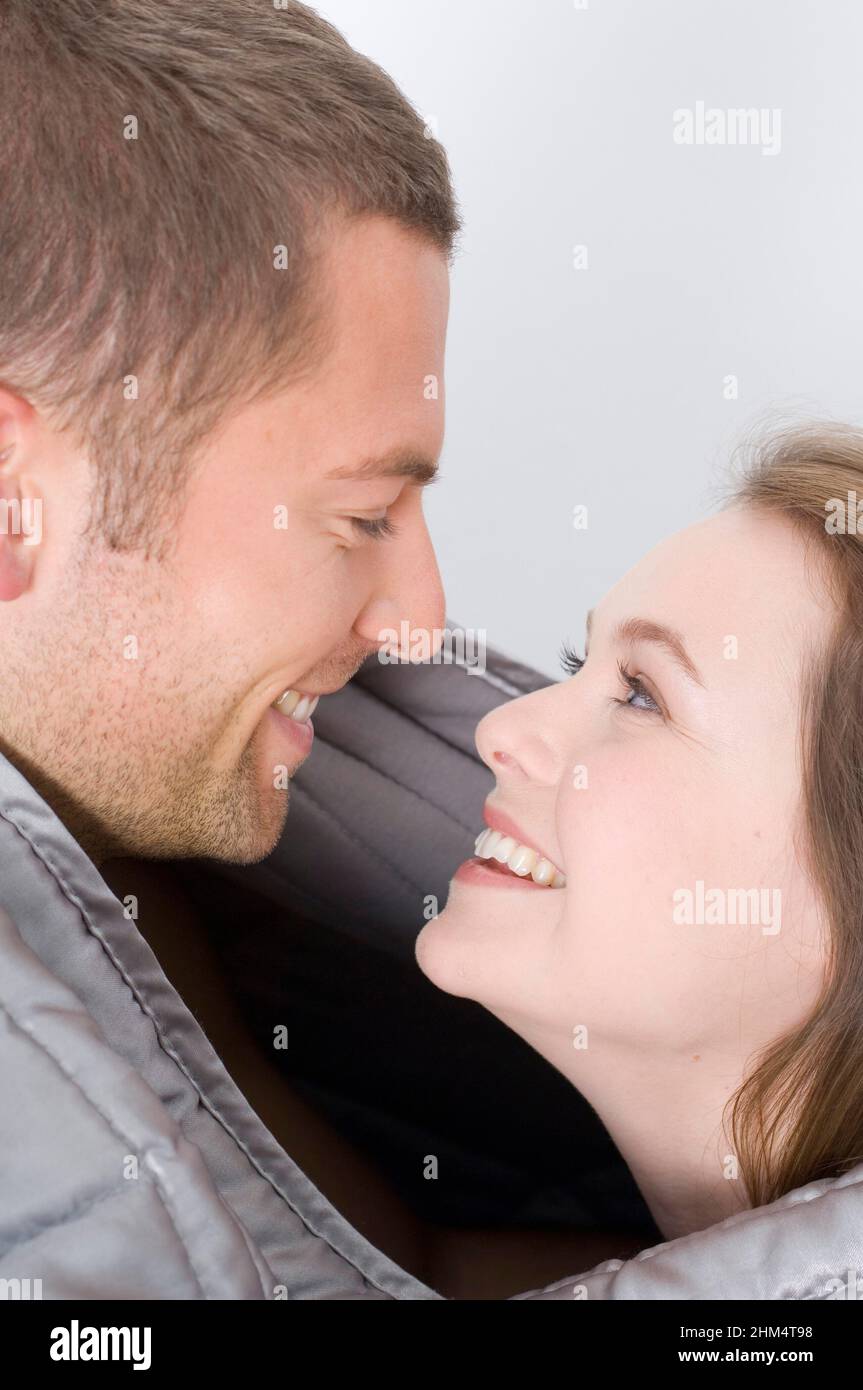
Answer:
(132, 1167)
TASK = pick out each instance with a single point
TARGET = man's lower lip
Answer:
(477, 871)
(302, 735)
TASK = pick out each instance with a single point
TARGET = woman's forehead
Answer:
(741, 573)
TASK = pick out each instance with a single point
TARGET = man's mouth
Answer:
(297, 705)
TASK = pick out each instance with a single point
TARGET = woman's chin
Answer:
(444, 952)
(432, 951)
(469, 947)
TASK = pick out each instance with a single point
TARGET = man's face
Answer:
(140, 694)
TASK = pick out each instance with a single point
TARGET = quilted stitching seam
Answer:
(31, 1033)
(168, 1048)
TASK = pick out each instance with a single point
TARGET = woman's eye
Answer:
(637, 692)
(639, 696)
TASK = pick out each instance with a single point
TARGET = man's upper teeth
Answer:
(296, 705)
(519, 859)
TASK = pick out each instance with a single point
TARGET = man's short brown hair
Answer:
(156, 153)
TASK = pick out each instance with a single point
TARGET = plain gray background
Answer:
(605, 387)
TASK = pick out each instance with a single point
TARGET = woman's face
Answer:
(683, 770)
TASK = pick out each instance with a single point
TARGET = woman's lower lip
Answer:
(478, 871)
(302, 736)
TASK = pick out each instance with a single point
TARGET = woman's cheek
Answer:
(628, 842)
(617, 806)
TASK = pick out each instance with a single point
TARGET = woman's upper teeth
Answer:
(490, 844)
(519, 859)
(296, 705)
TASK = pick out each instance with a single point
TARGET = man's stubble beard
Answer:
(171, 806)
(123, 779)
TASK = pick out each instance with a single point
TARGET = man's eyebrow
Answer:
(398, 463)
(643, 630)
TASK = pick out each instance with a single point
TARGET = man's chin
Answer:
(240, 823)
(259, 842)
(245, 825)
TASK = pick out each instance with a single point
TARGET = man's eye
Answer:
(377, 528)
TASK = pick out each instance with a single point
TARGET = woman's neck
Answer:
(664, 1113)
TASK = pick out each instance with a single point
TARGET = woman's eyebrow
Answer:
(644, 630)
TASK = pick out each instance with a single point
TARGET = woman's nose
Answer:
(520, 741)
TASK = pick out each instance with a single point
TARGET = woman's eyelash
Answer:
(572, 664)
(570, 660)
(377, 529)
(636, 687)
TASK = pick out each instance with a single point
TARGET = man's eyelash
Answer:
(377, 529)
(572, 664)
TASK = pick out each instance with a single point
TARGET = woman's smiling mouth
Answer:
(504, 859)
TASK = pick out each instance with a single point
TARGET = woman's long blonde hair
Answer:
(798, 1115)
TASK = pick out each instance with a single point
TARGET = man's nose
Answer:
(409, 604)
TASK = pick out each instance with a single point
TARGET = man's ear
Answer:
(20, 528)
